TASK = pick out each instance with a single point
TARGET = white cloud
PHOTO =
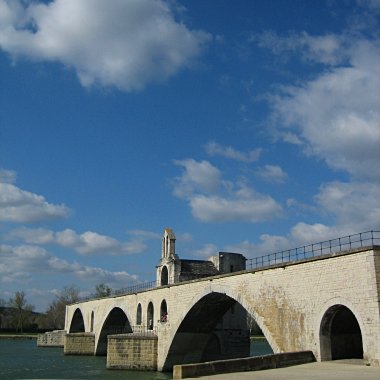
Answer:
(215, 149)
(86, 243)
(355, 206)
(338, 113)
(212, 199)
(257, 208)
(272, 173)
(327, 49)
(122, 43)
(7, 176)
(197, 177)
(19, 206)
(20, 263)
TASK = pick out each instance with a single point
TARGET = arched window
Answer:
(138, 314)
(92, 322)
(164, 312)
(164, 276)
(150, 316)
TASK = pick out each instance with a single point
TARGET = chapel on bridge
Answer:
(171, 269)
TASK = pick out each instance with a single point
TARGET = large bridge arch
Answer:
(221, 299)
(116, 321)
(340, 331)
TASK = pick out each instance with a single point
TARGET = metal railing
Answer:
(359, 240)
(362, 239)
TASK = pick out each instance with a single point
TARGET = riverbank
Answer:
(335, 370)
(18, 336)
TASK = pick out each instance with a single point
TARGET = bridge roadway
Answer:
(311, 371)
(328, 304)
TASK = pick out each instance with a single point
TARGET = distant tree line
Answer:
(18, 315)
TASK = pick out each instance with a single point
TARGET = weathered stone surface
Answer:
(133, 352)
(289, 302)
(54, 338)
(240, 365)
(79, 344)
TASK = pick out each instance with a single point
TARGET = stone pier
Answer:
(79, 344)
(131, 351)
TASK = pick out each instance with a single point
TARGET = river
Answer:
(22, 359)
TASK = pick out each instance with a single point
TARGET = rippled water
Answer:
(22, 359)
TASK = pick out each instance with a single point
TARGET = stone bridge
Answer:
(328, 304)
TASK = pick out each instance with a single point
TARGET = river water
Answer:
(22, 359)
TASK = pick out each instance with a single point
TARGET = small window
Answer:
(164, 312)
(150, 316)
(138, 315)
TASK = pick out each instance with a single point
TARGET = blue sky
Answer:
(248, 126)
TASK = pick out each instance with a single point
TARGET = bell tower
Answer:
(169, 268)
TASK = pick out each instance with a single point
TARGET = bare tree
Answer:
(55, 314)
(21, 310)
(102, 290)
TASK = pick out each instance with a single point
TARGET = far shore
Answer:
(18, 336)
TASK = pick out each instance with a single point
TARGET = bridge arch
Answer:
(340, 333)
(77, 322)
(116, 322)
(202, 315)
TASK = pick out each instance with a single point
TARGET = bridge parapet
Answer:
(345, 243)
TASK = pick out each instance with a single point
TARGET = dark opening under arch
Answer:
(164, 276)
(340, 334)
(77, 323)
(116, 323)
(210, 332)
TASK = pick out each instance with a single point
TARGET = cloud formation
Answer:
(87, 243)
(337, 113)
(215, 149)
(123, 43)
(272, 173)
(20, 206)
(213, 199)
(20, 263)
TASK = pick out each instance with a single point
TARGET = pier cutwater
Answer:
(322, 298)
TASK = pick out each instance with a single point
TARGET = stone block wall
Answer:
(130, 351)
(54, 338)
(79, 344)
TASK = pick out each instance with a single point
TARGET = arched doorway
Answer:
(77, 323)
(116, 323)
(164, 276)
(340, 334)
(150, 316)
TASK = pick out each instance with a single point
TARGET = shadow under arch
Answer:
(214, 328)
(116, 323)
(77, 322)
(340, 334)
